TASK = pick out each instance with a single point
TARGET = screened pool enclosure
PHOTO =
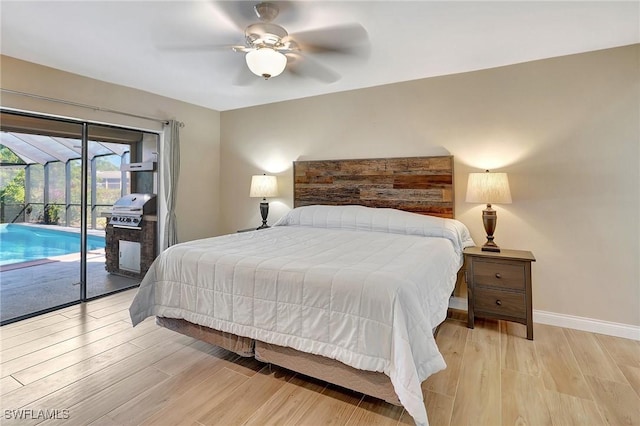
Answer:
(40, 174)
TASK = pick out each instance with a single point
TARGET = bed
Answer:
(341, 288)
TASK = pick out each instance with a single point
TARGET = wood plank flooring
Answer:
(86, 365)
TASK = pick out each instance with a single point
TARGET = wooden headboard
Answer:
(417, 184)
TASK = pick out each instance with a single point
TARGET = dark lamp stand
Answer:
(489, 219)
(264, 212)
(263, 186)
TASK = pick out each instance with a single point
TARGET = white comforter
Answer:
(363, 286)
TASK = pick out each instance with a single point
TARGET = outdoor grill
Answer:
(129, 211)
(131, 245)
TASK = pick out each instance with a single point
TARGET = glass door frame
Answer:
(84, 207)
(84, 193)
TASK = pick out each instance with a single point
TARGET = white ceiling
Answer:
(164, 47)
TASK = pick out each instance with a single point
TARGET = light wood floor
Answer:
(90, 365)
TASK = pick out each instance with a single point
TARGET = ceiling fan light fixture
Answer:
(266, 62)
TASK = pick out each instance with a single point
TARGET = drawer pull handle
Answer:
(499, 302)
(498, 275)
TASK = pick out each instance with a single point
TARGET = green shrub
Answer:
(51, 214)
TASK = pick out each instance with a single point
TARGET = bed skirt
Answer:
(377, 385)
(242, 346)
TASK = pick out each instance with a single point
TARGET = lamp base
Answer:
(263, 226)
(491, 246)
(264, 212)
(489, 220)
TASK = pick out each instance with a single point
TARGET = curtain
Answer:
(171, 171)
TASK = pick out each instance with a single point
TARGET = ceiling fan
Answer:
(269, 49)
(266, 43)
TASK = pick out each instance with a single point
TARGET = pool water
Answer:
(22, 243)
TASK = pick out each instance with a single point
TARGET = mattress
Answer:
(361, 286)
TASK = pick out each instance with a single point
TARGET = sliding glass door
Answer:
(58, 181)
(39, 246)
(111, 151)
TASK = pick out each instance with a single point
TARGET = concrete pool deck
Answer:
(34, 288)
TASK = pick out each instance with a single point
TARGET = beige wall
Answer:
(198, 190)
(565, 129)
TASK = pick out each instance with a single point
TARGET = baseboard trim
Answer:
(587, 324)
(570, 321)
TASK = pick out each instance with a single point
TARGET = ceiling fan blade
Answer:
(239, 13)
(304, 66)
(335, 39)
(242, 13)
(187, 48)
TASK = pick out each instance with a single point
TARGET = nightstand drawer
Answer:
(502, 274)
(498, 302)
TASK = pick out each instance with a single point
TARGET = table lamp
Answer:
(489, 188)
(264, 186)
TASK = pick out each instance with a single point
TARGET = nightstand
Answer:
(499, 285)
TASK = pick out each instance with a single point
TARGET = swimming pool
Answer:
(23, 243)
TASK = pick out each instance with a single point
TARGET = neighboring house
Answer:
(111, 179)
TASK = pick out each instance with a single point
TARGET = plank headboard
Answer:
(417, 184)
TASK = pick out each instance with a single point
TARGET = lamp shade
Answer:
(488, 188)
(266, 62)
(263, 186)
